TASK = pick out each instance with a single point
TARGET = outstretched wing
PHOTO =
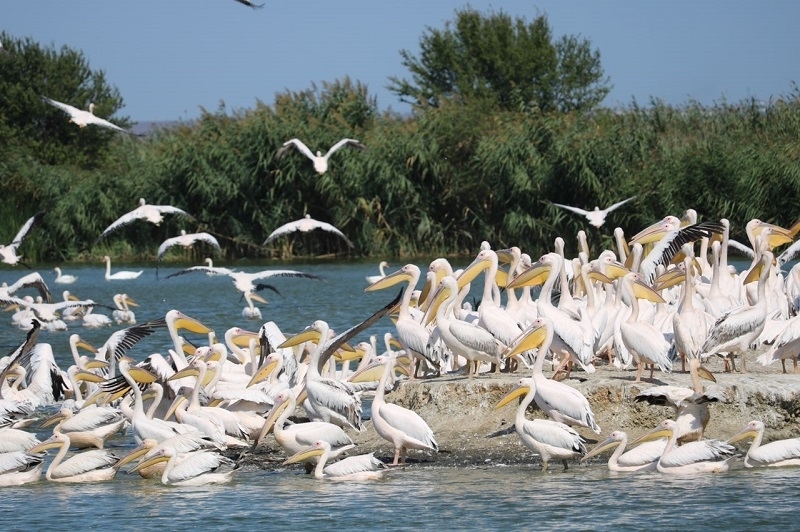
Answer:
(63, 106)
(266, 274)
(102, 122)
(207, 269)
(619, 204)
(346, 142)
(296, 143)
(125, 219)
(331, 229)
(248, 3)
(32, 222)
(573, 209)
(283, 230)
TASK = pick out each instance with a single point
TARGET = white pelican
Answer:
(402, 427)
(298, 436)
(244, 281)
(183, 443)
(16, 440)
(8, 252)
(187, 240)
(304, 225)
(95, 320)
(773, 454)
(596, 217)
(63, 278)
(119, 276)
(643, 457)
(95, 465)
(355, 468)
(375, 278)
(320, 161)
(84, 118)
(702, 456)
(561, 402)
(196, 468)
(151, 213)
(91, 427)
(252, 312)
(786, 346)
(19, 467)
(31, 280)
(550, 439)
(123, 314)
(691, 407)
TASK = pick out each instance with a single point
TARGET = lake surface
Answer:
(492, 497)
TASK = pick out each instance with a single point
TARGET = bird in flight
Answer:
(8, 252)
(84, 118)
(151, 213)
(320, 161)
(305, 225)
(248, 3)
(596, 217)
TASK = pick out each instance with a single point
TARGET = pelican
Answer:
(62, 278)
(643, 457)
(402, 427)
(8, 252)
(31, 280)
(778, 453)
(151, 213)
(596, 217)
(16, 440)
(119, 276)
(298, 436)
(19, 467)
(187, 240)
(88, 466)
(356, 468)
(375, 278)
(558, 400)
(550, 439)
(691, 407)
(702, 456)
(91, 427)
(244, 281)
(84, 118)
(123, 314)
(320, 161)
(252, 312)
(304, 225)
(196, 468)
(248, 3)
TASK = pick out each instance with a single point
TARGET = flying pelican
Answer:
(550, 439)
(84, 118)
(702, 456)
(187, 240)
(89, 466)
(375, 278)
(244, 281)
(151, 213)
(774, 454)
(119, 276)
(31, 280)
(357, 468)
(596, 217)
(402, 427)
(8, 253)
(320, 161)
(248, 3)
(304, 225)
(62, 278)
(196, 468)
(643, 457)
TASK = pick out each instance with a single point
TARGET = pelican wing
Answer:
(776, 451)
(32, 280)
(248, 3)
(645, 453)
(696, 451)
(14, 461)
(102, 122)
(475, 337)
(91, 418)
(619, 204)
(187, 240)
(283, 230)
(85, 462)
(672, 396)
(208, 269)
(266, 274)
(122, 340)
(647, 342)
(408, 422)
(336, 396)
(354, 464)
(125, 219)
(573, 209)
(70, 110)
(555, 434)
(346, 142)
(788, 254)
(184, 443)
(732, 325)
(741, 248)
(16, 440)
(195, 464)
(666, 248)
(294, 143)
(331, 229)
(32, 222)
(307, 433)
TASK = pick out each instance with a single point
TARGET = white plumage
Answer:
(320, 161)
(83, 118)
(304, 225)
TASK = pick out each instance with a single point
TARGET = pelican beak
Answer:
(243, 338)
(98, 396)
(96, 364)
(754, 273)
(438, 298)
(188, 371)
(527, 340)
(777, 237)
(151, 462)
(472, 271)
(308, 335)
(86, 345)
(371, 373)
(263, 373)
(596, 275)
(513, 394)
(669, 279)
(505, 256)
(50, 443)
(274, 413)
(190, 324)
(133, 455)
(88, 376)
(303, 455)
(501, 278)
(600, 447)
(654, 434)
(141, 375)
(174, 406)
(302, 396)
(430, 283)
(52, 420)
(703, 373)
(743, 435)
(642, 291)
(131, 302)
(535, 275)
(649, 234)
(343, 355)
(390, 280)
(256, 297)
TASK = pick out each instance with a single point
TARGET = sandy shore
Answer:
(470, 431)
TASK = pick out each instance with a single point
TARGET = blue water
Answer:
(476, 498)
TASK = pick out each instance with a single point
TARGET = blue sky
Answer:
(170, 57)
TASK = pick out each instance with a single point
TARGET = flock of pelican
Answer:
(665, 297)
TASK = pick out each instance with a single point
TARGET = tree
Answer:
(515, 63)
(31, 127)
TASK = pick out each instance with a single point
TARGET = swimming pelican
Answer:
(196, 468)
(320, 161)
(402, 427)
(19, 467)
(151, 213)
(252, 312)
(550, 439)
(84, 118)
(596, 217)
(702, 456)
(88, 466)
(8, 252)
(773, 454)
(187, 240)
(356, 468)
(691, 407)
(375, 278)
(643, 457)
(119, 276)
(90, 427)
(123, 314)
(304, 225)
(62, 278)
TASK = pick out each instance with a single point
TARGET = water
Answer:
(518, 497)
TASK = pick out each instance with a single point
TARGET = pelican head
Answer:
(613, 440)
(655, 232)
(318, 448)
(522, 387)
(751, 430)
(662, 430)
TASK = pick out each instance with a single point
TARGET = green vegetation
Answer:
(468, 165)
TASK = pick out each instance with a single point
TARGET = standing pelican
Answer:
(773, 454)
(320, 161)
(702, 456)
(596, 217)
(643, 457)
(357, 468)
(151, 213)
(89, 466)
(304, 225)
(8, 252)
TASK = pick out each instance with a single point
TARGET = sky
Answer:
(172, 58)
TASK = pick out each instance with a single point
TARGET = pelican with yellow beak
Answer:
(702, 456)
(643, 457)
(353, 468)
(778, 453)
(196, 468)
(95, 465)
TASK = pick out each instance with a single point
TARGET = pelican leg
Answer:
(566, 465)
(562, 363)
(733, 362)
(683, 362)
(396, 456)
(403, 453)
(639, 370)
(796, 369)
(544, 466)
(652, 371)
(783, 365)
